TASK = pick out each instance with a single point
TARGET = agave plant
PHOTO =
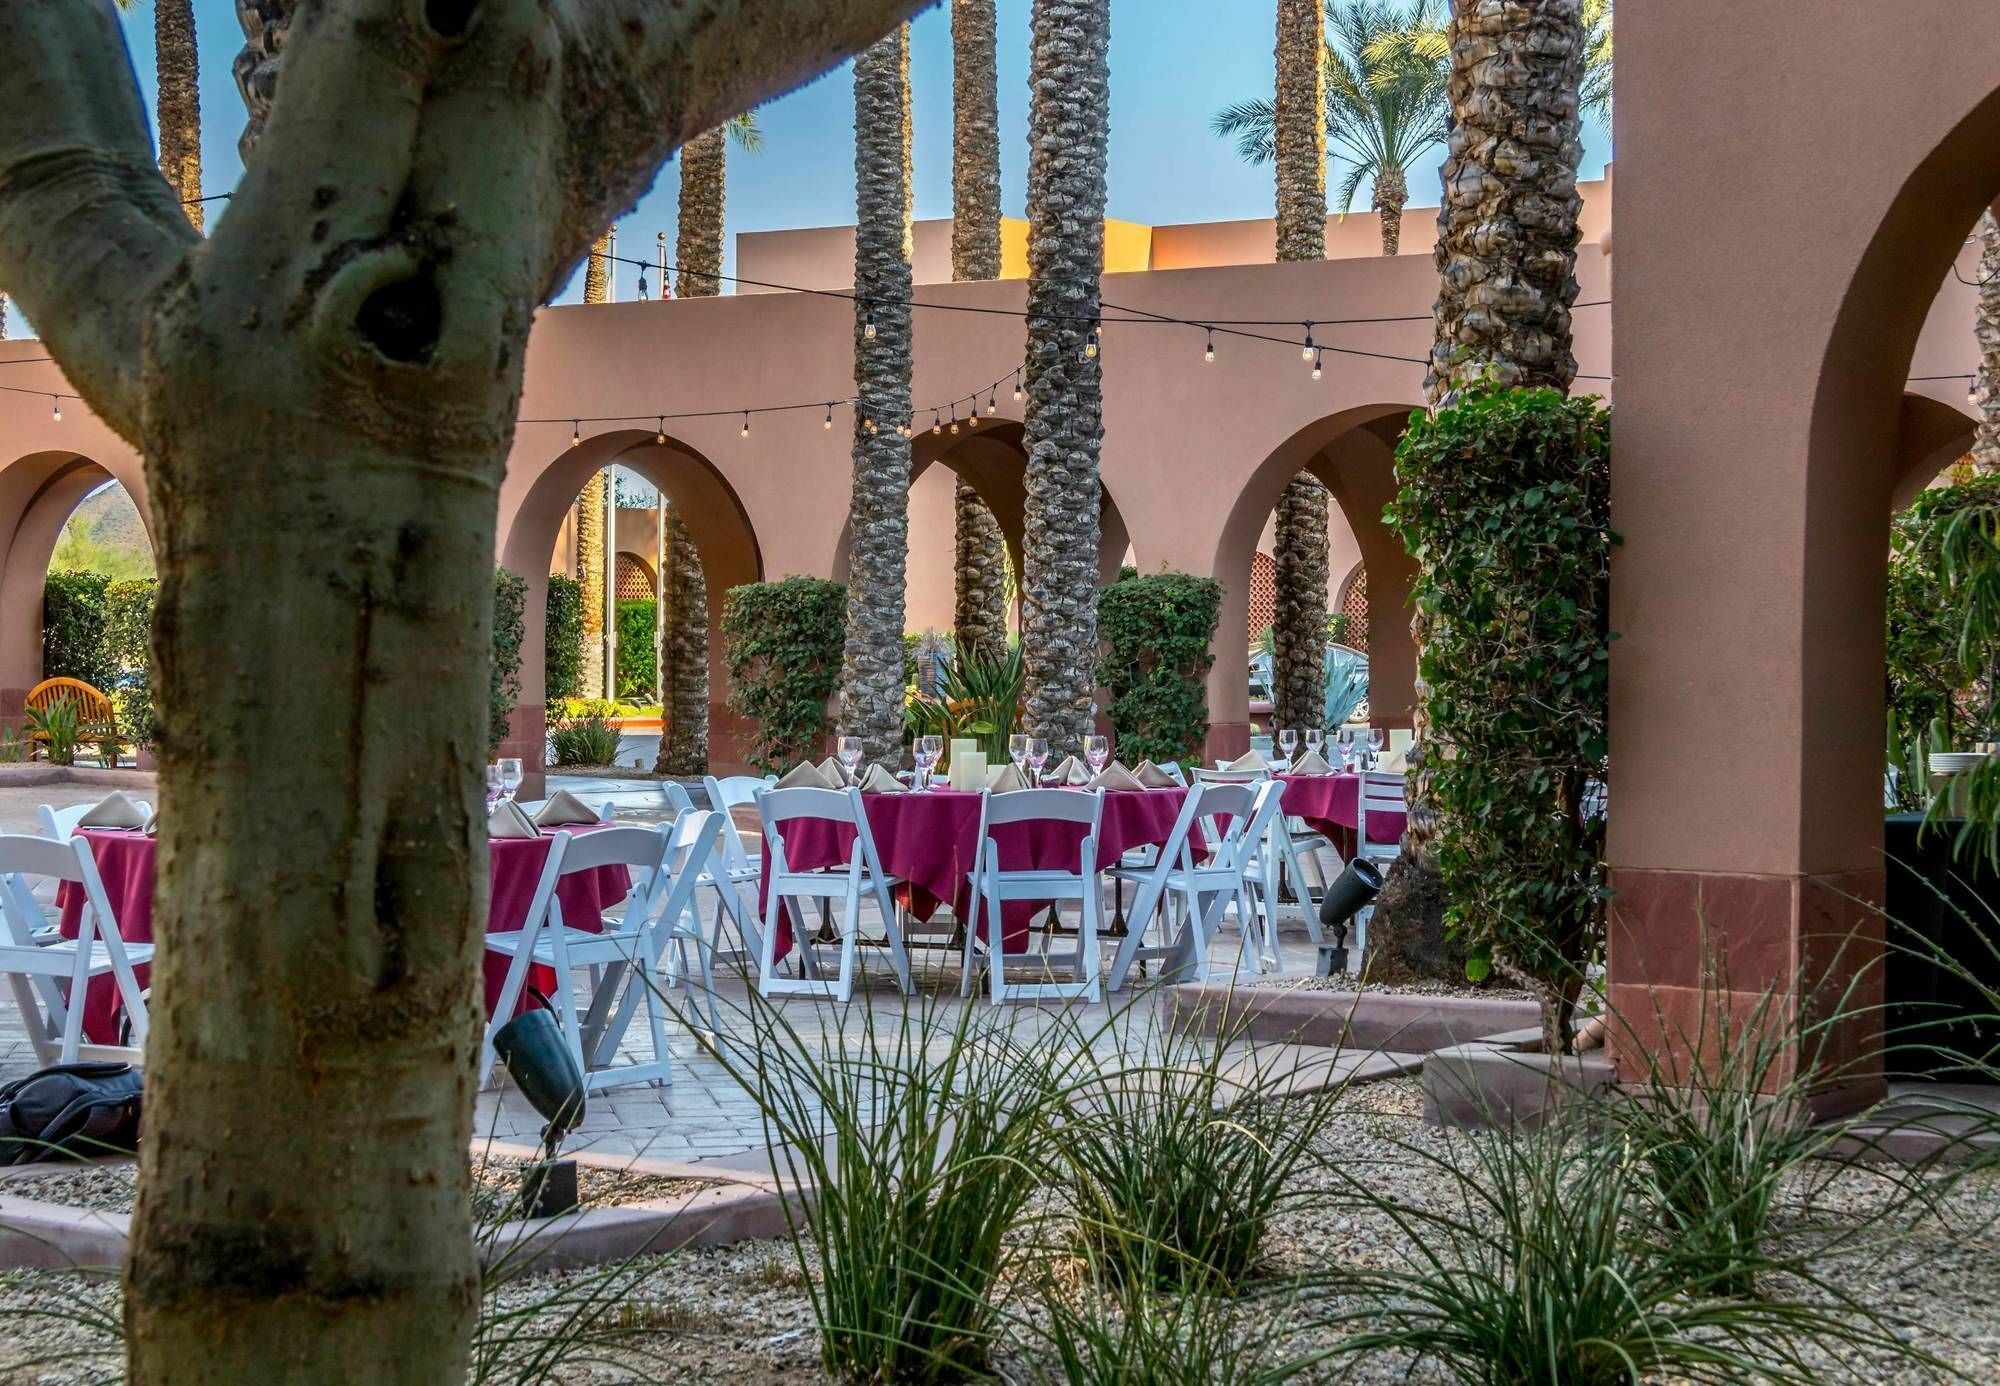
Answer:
(1346, 683)
(977, 696)
(59, 728)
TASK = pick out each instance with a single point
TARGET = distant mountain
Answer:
(114, 521)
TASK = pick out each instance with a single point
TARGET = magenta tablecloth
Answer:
(1330, 804)
(929, 840)
(125, 862)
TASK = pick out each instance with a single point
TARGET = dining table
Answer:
(1331, 805)
(929, 838)
(125, 861)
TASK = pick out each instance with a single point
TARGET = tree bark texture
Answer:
(3, 317)
(1298, 617)
(265, 23)
(684, 657)
(594, 548)
(1069, 122)
(324, 392)
(979, 617)
(1392, 193)
(878, 517)
(1507, 232)
(179, 103)
(1299, 130)
(704, 185)
(1986, 334)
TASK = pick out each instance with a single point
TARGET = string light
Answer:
(1307, 353)
(575, 432)
(868, 329)
(869, 424)
(1209, 355)
(1318, 366)
(1017, 387)
(829, 418)
(937, 425)
(642, 283)
(746, 425)
(55, 407)
(972, 419)
(661, 436)
(992, 405)
(954, 418)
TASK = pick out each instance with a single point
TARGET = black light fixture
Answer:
(1351, 892)
(542, 1067)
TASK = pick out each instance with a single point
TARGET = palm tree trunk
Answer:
(698, 249)
(1298, 621)
(979, 617)
(871, 671)
(3, 317)
(684, 657)
(179, 105)
(1392, 192)
(1986, 333)
(265, 23)
(593, 545)
(1068, 125)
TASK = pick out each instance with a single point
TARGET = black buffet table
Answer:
(1948, 901)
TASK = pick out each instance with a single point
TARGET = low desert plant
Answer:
(586, 740)
(1116, 1329)
(58, 728)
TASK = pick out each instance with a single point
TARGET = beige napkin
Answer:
(114, 810)
(1248, 761)
(835, 774)
(564, 808)
(153, 824)
(1153, 777)
(1394, 762)
(1311, 763)
(1005, 778)
(508, 820)
(804, 775)
(1072, 771)
(1115, 776)
(880, 781)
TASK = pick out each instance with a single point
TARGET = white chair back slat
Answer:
(785, 884)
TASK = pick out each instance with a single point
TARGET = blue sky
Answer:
(1174, 63)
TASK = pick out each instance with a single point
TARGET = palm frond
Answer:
(745, 133)
(1254, 127)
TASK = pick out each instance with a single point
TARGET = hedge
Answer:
(783, 642)
(1505, 504)
(75, 615)
(562, 650)
(636, 619)
(128, 638)
(510, 630)
(1156, 632)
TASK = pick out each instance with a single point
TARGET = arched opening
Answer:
(60, 509)
(720, 532)
(1353, 453)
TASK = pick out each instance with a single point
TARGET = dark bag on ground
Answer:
(70, 1111)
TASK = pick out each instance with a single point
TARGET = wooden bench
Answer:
(95, 718)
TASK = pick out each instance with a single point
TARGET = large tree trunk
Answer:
(1068, 124)
(1298, 617)
(684, 657)
(704, 184)
(871, 671)
(325, 392)
(1392, 193)
(979, 616)
(1986, 335)
(1298, 621)
(179, 105)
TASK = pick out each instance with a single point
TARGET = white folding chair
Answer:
(60, 823)
(1291, 847)
(1380, 793)
(734, 871)
(1201, 892)
(785, 886)
(677, 797)
(38, 970)
(1150, 873)
(693, 848)
(626, 949)
(993, 885)
(531, 807)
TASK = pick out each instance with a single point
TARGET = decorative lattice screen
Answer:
(1355, 605)
(635, 579)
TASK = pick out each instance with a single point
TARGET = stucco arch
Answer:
(1353, 451)
(717, 524)
(1763, 426)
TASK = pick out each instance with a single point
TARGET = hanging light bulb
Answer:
(55, 407)
(1318, 367)
(642, 285)
(868, 329)
(829, 418)
(992, 405)
(1090, 347)
(746, 425)
(869, 424)
(1307, 353)
(954, 418)
(575, 428)
(972, 419)
(1209, 355)
(1017, 387)
(937, 425)
(661, 436)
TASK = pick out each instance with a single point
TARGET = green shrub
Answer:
(1156, 631)
(563, 638)
(510, 594)
(636, 623)
(1505, 504)
(59, 728)
(784, 642)
(75, 609)
(977, 696)
(586, 740)
(129, 636)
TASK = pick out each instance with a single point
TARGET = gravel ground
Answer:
(1416, 988)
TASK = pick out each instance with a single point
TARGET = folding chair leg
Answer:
(79, 997)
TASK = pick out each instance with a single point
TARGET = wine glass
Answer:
(1017, 750)
(1375, 739)
(928, 749)
(1097, 750)
(510, 774)
(496, 786)
(850, 754)
(1288, 742)
(1038, 755)
(1315, 740)
(1345, 740)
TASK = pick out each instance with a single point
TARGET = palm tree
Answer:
(592, 543)
(1384, 96)
(3, 317)
(1068, 122)
(704, 180)
(871, 671)
(177, 113)
(979, 616)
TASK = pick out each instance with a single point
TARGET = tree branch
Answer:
(89, 230)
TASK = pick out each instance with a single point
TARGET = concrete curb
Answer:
(1387, 1021)
(1505, 1081)
(39, 773)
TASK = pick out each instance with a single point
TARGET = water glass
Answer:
(850, 754)
(510, 774)
(1315, 739)
(1038, 754)
(1097, 750)
(1288, 742)
(1344, 739)
(1017, 750)
(928, 749)
(496, 786)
